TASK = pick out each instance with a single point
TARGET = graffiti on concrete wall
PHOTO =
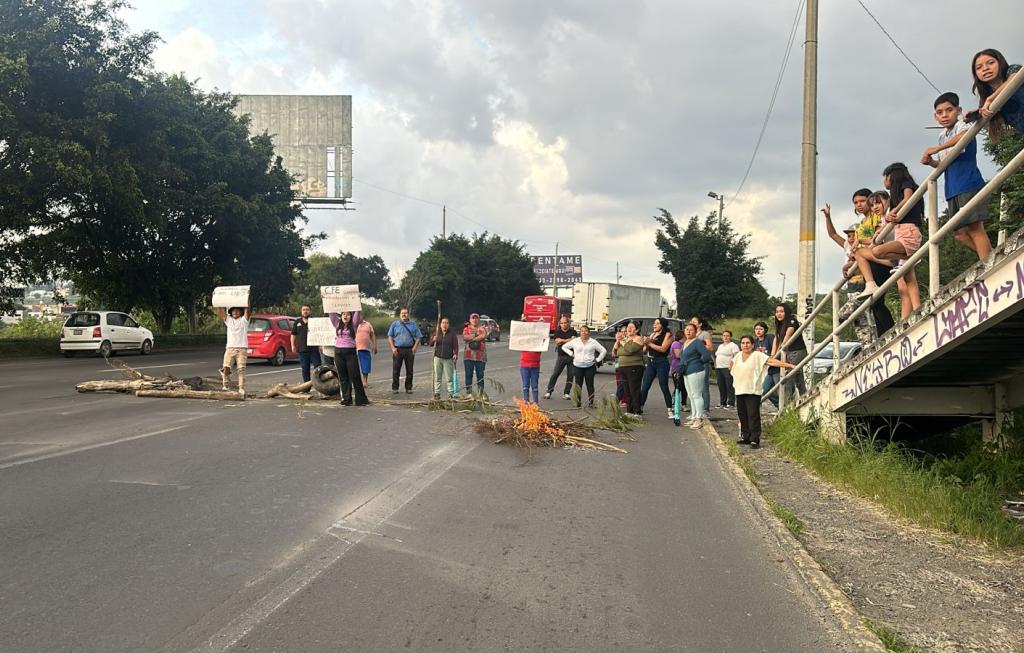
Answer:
(976, 304)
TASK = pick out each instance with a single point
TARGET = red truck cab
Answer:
(545, 308)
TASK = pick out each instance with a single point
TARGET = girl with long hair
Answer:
(785, 326)
(657, 346)
(991, 72)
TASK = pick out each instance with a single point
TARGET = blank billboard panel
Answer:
(312, 135)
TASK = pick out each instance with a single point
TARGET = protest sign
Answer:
(338, 299)
(321, 332)
(231, 296)
(528, 336)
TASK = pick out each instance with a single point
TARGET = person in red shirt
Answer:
(529, 372)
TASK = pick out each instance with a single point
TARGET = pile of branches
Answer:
(532, 427)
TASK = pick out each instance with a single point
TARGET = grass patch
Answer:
(929, 494)
(786, 516)
(890, 638)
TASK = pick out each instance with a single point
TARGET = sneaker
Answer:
(394, 391)
(868, 291)
(241, 393)
(567, 396)
(671, 414)
(224, 388)
(409, 391)
(547, 395)
(898, 265)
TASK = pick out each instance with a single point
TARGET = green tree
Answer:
(484, 273)
(714, 274)
(369, 273)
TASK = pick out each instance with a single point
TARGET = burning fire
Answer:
(533, 423)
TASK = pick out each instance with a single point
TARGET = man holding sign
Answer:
(308, 355)
(236, 350)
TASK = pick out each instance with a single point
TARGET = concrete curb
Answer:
(820, 583)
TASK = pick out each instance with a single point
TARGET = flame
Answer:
(534, 423)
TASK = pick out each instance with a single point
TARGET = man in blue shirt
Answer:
(404, 337)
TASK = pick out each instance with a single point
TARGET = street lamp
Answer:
(721, 206)
(783, 275)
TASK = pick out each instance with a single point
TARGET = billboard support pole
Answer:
(554, 277)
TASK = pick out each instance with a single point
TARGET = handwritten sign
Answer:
(321, 332)
(528, 336)
(339, 299)
(230, 296)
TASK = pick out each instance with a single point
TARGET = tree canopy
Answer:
(483, 274)
(370, 273)
(714, 274)
(141, 189)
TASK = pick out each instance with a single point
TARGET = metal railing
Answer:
(936, 234)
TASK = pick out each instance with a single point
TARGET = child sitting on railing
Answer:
(963, 179)
(863, 326)
(907, 240)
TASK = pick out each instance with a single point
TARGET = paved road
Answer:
(130, 524)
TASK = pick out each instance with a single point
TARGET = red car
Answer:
(270, 338)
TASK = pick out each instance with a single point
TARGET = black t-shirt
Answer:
(300, 331)
(657, 340)
(916, 214)
(568, 334)
(780, 333)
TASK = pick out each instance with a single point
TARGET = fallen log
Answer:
(185, 393)
(113, 385)
(283, 389)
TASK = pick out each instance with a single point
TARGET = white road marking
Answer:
(364, 520)
(290, 369)
(97, 445)
(152, 367)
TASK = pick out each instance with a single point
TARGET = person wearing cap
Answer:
(236, 319)
(863, 326)
(475, 355)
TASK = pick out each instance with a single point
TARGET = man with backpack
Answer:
(404, 337)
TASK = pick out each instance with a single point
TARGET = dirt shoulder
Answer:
(937, 591)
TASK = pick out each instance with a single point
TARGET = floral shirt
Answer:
(475, 354)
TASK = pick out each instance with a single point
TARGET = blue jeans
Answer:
(770, 379)
(531, 380)
(694, 383)
(657, 367)
(478, 367)
(307, 359)
(707, 388)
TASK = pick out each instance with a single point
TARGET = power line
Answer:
(905, 56)
(775, 95)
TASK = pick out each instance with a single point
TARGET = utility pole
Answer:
(444, 220)
(618, 277)
(721, 206)
(554, 276)
(805, 295)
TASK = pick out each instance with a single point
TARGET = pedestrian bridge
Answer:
(960, 355)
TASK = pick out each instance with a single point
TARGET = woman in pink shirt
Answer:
(366, 348)
(346, 362)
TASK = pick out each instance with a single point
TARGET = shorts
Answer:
(957, 202)
(909, 236)
(364, 361)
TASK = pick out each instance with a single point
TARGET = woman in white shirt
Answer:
(748, 369)
(723, 360)
(586, 354)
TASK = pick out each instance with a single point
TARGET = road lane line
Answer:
(97, 445)
(152, 367)
(364, 520)
(290, 369)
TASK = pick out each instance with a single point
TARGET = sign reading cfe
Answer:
(321, 332)
(231, 296)
(528, 336)
(339, 299)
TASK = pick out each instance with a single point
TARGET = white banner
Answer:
(528, 336)
(338, 299)
(321, 332)
(231, 296)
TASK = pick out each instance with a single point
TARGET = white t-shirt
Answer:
(238, 329)
(748, 376)
(725, 352)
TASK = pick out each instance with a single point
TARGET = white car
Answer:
(822, 363)
(103, 333)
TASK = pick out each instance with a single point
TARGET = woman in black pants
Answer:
(346, 360)
(587, 354)
(629, 347)
(748, 370)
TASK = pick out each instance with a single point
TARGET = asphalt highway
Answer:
(131, 524)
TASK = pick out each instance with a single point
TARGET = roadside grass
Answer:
(788, 518)
(890, 638)
(963, 496)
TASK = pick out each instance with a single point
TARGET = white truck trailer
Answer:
(600, 304)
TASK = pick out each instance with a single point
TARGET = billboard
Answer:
(560, 270)
(312, 135)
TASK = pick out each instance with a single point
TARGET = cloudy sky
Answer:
(572, 121)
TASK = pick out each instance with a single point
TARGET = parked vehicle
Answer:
(270, 338)
(104, 333)
(545, 308)
(822, 363)
(493, 328)
(600, 304)
(606, 336)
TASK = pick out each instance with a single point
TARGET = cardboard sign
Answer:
(528, 336)
(321, 332)
(338, 299)
(231, 296)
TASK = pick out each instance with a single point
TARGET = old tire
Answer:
(147, 347)
(325, 381)
(278, 358)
